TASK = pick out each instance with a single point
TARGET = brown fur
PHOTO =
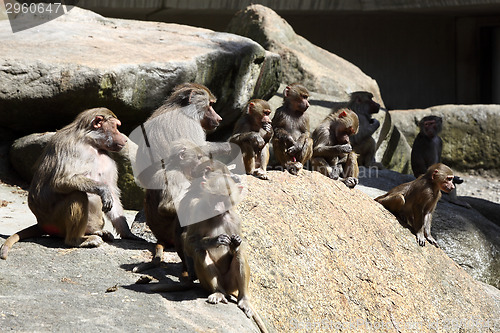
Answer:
(75, 182)
(214, 244)
(252, 133)
(292, 143)
(415, 201)
(332, 152)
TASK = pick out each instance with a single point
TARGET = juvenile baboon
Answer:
(427, 146)
(252, 133)
(332, 152)
(214, 244)
(292, 143)
(163, 169)
(75, 183)
(414, 202)
(160, 205)
(427, 149)
(363, 144)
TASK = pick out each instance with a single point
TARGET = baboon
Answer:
(75, 182)
(292, 143)
(363, 144)
(415, 201)
(427, 149)
(186, 114)
(332, 152)
(213, 242)
(252, 133)
(427, 146)
(160, 205)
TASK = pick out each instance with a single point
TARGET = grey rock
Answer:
(471, 139)
(302, 61)
(51, 72)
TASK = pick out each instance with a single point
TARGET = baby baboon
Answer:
(332, 152)
(160, 205)
(213, 240)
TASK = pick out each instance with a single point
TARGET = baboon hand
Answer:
(346, 148)
(267, 127)
(293, 150)
(223, 239)
(235, 240)
(106, 198)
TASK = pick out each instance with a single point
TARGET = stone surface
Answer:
(325, 257)
(471, 139)
(393, 150)
(318, 264)
(302, 61)
(51, 72)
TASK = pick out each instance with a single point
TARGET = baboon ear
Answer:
(182, 153)
(250, 107)
(434, 173)
(97, 122)
(286, 91)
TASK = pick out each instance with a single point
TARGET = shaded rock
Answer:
(84, 60)
(25, 151)
(471, 139)
(469, 236)
(324, 257)
(393, 150)
(302, 61)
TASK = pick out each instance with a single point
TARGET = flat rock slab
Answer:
(83, 60)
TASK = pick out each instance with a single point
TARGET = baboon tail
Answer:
(29, 232)
(259, 322)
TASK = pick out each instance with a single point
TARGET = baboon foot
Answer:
(217, 297)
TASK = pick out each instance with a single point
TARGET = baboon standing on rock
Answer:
(75, 183)
(292, 143)
(415, 201)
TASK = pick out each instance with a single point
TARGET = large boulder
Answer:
(328, 258)
(471, 139)
(393, 151)
(50, 73)
(302, 61)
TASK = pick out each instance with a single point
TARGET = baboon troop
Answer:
(192, 185)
